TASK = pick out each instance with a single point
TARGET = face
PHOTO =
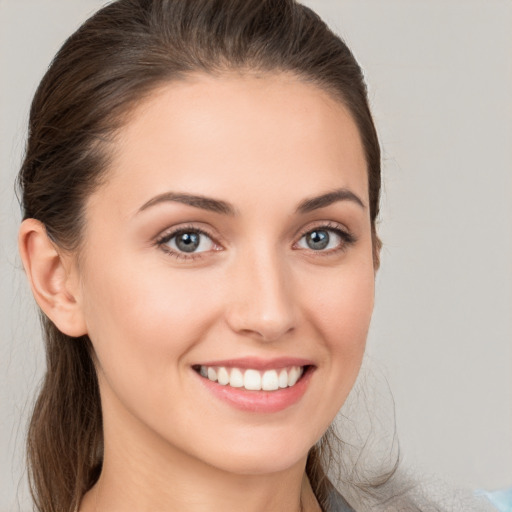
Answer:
(229, 250)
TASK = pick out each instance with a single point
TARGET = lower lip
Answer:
(260, 401)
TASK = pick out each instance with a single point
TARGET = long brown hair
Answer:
(115, 59)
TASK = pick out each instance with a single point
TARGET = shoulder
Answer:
(502, 500)
(337, 502)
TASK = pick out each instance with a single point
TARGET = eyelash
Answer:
(347, 240)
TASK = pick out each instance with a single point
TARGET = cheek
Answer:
(343, 304)
(341, 308)
(142, 323)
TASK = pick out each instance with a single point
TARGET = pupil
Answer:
(187, 242)
(318, 240)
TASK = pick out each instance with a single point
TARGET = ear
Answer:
(53, 278)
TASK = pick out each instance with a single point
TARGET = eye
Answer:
(186, 241)
(325, 239)
(319, 240)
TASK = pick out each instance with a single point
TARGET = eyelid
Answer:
(323, 224)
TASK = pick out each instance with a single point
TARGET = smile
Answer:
(257, 385)
(252, 379)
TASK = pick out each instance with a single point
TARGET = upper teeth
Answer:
(253, 380)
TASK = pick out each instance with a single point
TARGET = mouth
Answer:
(256, 385)
(252, 379)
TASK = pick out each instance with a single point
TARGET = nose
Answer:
(261, 302)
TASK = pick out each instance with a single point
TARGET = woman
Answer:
(200, 193)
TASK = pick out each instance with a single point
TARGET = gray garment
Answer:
(337, 503)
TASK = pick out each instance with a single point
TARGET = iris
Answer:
(187, 242)
(317, 240)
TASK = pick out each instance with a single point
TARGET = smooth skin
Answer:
(255, 285)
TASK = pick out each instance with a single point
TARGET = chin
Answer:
(263, 455)
(258, 464)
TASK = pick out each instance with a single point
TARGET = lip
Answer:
(265, 402)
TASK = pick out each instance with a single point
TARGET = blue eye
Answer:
(325, 239)
(187, 242)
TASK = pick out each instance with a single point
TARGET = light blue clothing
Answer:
(502, 500)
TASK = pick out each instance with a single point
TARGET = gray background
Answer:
(440, 76)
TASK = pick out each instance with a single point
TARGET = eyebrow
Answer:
(225, 208)
(205, 203)
(324, 200)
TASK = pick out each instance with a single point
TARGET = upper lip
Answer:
(258, 363)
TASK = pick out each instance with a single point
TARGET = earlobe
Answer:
(52, 278)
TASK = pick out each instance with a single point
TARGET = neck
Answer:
(135, 487)
(252, 495)
(141, 472)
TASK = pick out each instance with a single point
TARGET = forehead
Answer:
(244, 133)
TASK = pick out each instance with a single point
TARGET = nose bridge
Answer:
(261, 295)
